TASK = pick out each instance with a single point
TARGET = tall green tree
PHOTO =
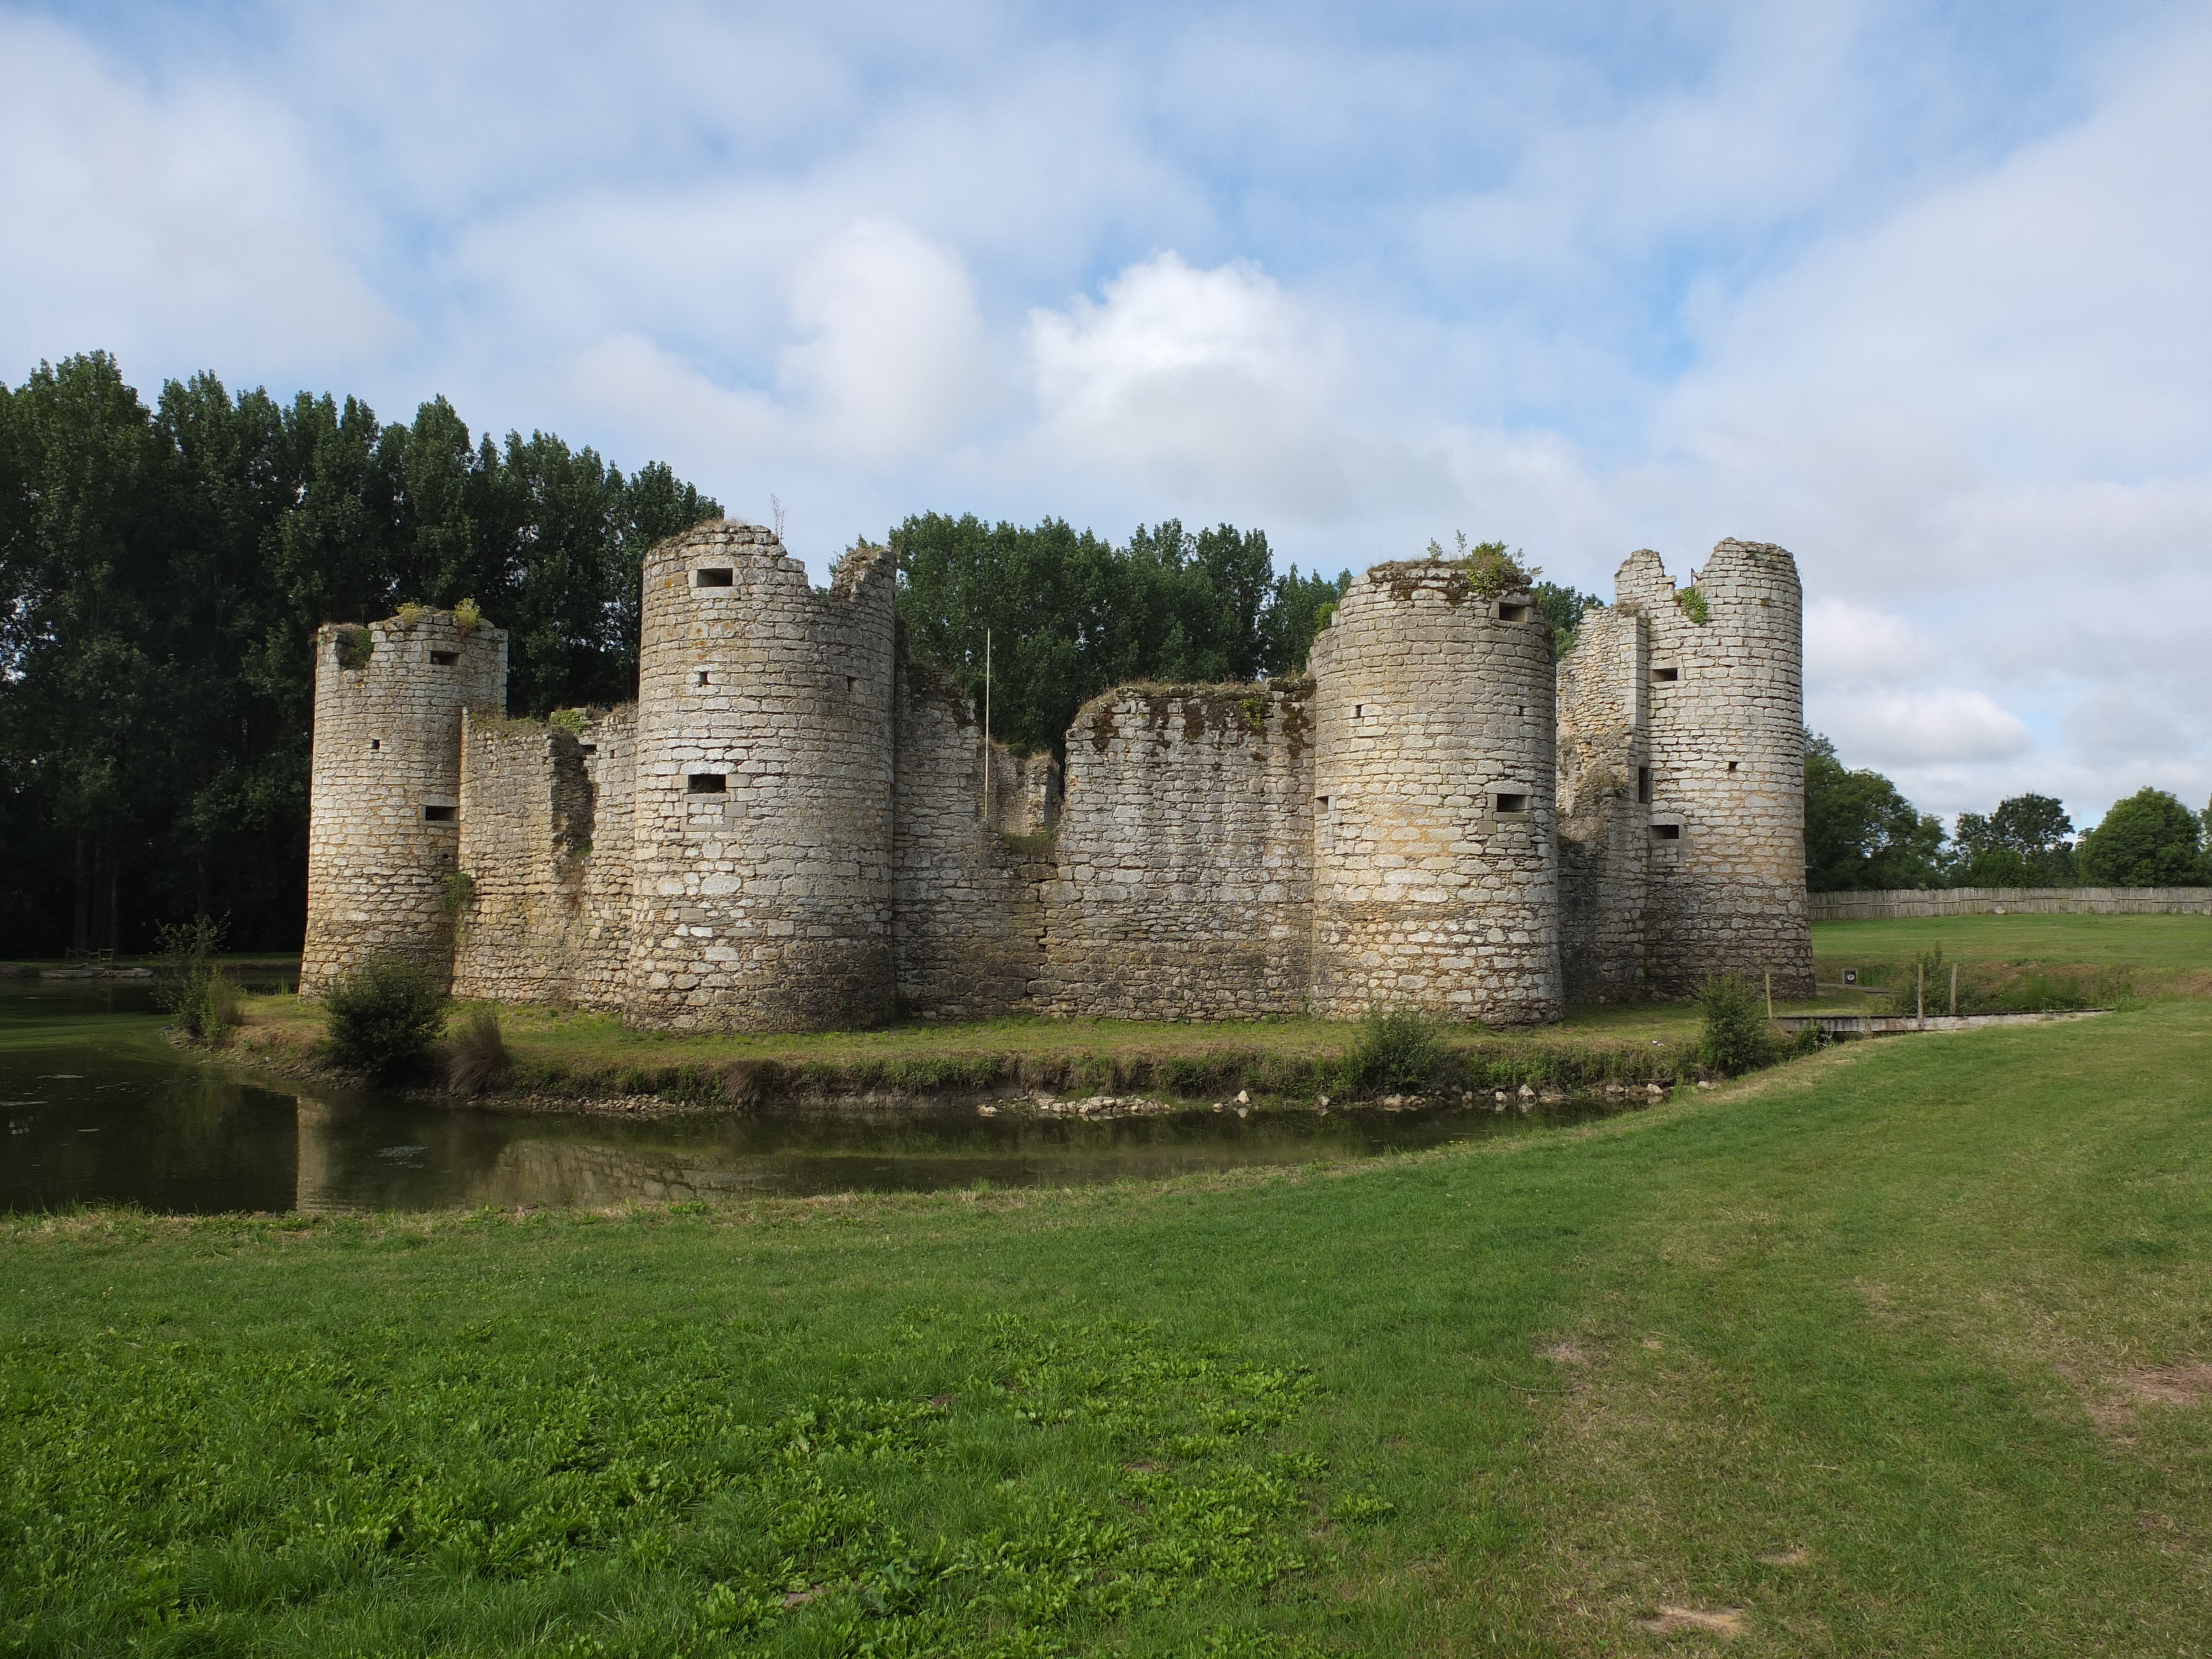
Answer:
(1860, 833)
(1069, 614)
(2148, 840)
(162, 573)
(2027, 842)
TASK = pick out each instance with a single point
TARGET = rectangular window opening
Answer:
(1512, 613)
(1731, 766)
(1666, 832)
(444, 659)
(1644, 786)
(587, 749)
(375, 744)
(1666, 676)
(852, 684)
(707, 783)
(440, 814)
(1322, 801)
(702, 677)
(1512, 804)
(714, 576)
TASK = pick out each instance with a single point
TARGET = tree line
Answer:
(162, 573)
(1861, 833)
(1067, 614)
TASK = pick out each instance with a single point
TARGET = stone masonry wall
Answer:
(763, 796)
(549, 918)
(788, 830)
(608, 743)
(1185, 878)
(384, 814)
(1727, 891)
(1436, 885)
(968, 920)
(1886, 904)
(1604, 776)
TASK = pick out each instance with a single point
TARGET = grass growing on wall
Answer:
(1887, 1353)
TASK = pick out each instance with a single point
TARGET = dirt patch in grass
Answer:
(2169, 1385)
(2114, 1408)
(1672, 1620)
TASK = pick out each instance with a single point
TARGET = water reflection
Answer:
(99, 1110)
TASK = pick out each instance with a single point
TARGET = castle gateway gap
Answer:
(788, 828)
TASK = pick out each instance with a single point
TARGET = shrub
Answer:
(1737, 1036)
(384, 1015)
(1399, 1051)
(477, 1059)
(190, 984)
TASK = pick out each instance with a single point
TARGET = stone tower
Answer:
(1436, 884)
(384, 791)
(762, 828)
(1725, 833)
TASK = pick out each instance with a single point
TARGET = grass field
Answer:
(2170, 943)
(1900, 1350)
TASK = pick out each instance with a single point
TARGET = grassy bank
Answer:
(1899, 1350)
(565, 1054)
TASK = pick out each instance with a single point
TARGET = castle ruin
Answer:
(798, 825)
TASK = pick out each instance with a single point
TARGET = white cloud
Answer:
(1847, 643)
(180, 224)
(1191, 382)
(1902, 727)
(893, 360)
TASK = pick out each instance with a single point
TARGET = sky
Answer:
(1921, 292)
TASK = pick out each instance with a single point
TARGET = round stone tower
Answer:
(1727, 711)
(763, 804)
(1435, 879)
(383, 802)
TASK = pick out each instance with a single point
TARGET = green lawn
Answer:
(1890, 1352)
(2179, 943)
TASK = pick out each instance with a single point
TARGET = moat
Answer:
(98, 1109)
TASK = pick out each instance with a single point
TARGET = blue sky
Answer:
(1919, 291)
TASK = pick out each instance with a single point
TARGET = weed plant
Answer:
(384, 1015)
(476, 1058)
(1738, 1035)
(190, 983)
(1395, 1050)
